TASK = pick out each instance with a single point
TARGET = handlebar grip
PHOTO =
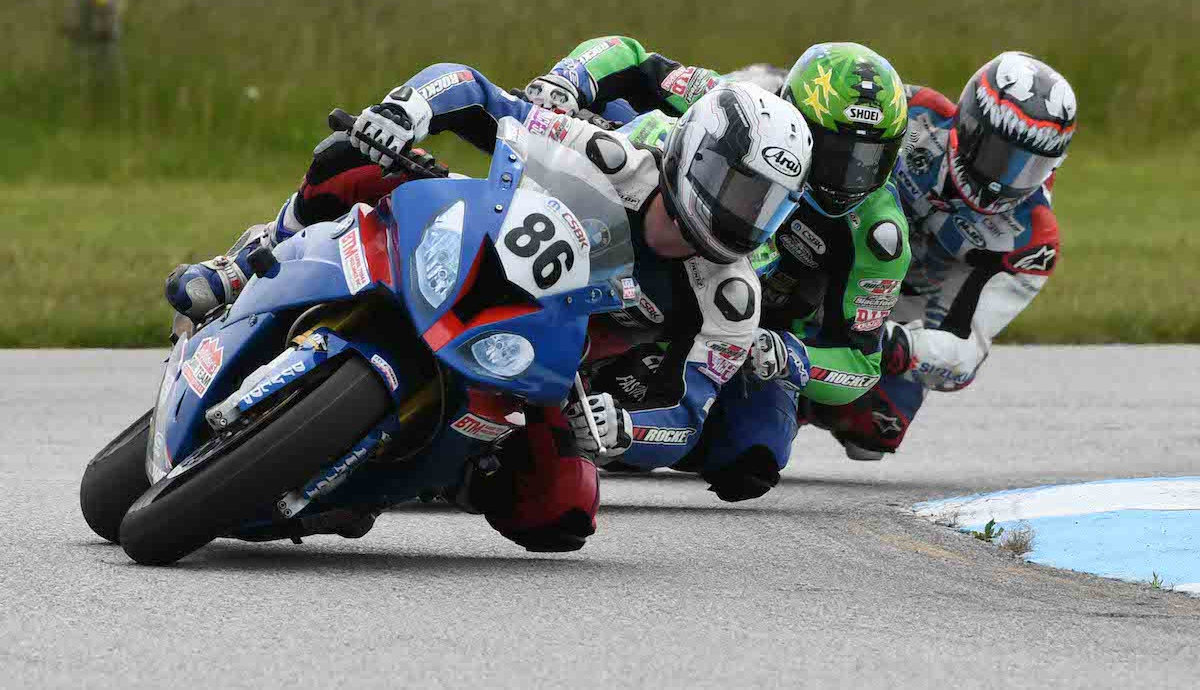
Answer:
(341, 121)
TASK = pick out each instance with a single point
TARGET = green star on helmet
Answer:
(855, 105)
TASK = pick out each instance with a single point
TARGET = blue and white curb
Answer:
(1128, 529)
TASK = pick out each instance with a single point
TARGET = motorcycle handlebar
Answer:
(342, 121)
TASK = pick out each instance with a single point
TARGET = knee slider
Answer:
(752, 474)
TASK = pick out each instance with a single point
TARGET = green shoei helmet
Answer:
(856, 107)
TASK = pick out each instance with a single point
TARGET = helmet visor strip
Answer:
(992, 158)
(844, 162)
(746, 207)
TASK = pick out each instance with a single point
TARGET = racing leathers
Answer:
(705, 313)
(828, 283)
(972, 274)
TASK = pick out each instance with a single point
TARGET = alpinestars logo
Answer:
(662, 435)
(1040, 260)
(444, 83)
(842, 378)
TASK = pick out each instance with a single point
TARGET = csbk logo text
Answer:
(782, 160)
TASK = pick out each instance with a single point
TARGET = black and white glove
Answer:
(394, 125)
(553, 92)
(897, 349)
(768, 358)
(613, 424)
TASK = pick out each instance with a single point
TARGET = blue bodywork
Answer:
(243, 352)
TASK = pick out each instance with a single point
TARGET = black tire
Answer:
(115, 478)
(286, 452)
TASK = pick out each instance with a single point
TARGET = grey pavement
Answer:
(828, 581)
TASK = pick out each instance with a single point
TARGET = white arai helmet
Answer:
(734, 169)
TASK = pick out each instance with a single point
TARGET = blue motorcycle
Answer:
(368, 359)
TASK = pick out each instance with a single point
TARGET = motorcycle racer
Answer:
(829, 277)
(702, 193)
(975, 180)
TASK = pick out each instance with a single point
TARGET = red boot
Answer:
(544, 496)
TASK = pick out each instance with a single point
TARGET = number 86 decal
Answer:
(537, 236)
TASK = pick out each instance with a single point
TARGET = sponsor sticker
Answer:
(354, 261)
(576, 227)
(665, 436)
(881, 302)
(384, 368)
(701, 83)
(559, 130)
(539, 121)
(812, 239)
(268, 383)
(1039, 260)
(629, 289)
(694, 272)
(880, 286)
(798, 251)
(202, 367)
(649, 309)
(632, 387)
(444, 83)
(863, 114)
(724, 360)
(677, 81)
(596, 50)
(969, 231)
(782, 160)
(842, 378)
(479, 428)
(868, 319)
(888, 425)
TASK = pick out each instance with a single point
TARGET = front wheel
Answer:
(183, 513)
(115, 478)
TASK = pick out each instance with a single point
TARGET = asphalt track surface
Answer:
(828, 581)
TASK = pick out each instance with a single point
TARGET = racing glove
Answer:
(401, 119)
(897, 349)
(554, 92)
(613, 424)
(768, 357)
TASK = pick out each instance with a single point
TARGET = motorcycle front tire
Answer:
(115, 478)
(229, 489)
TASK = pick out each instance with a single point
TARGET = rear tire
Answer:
(225, 491)
(115, 478)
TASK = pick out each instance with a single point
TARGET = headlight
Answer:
(503, 354)
(438, 254)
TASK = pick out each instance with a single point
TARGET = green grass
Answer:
(117, 167)
(174, 101)
(88, 262)
(85, 263)
(1129, 256)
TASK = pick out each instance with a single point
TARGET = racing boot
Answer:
(857, 452)
(195, 290)
(537, 491)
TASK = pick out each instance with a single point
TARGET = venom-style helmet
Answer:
(734, 168)
(1015, 119)
(855, 105)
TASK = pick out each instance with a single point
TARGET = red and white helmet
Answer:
(734, 168)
